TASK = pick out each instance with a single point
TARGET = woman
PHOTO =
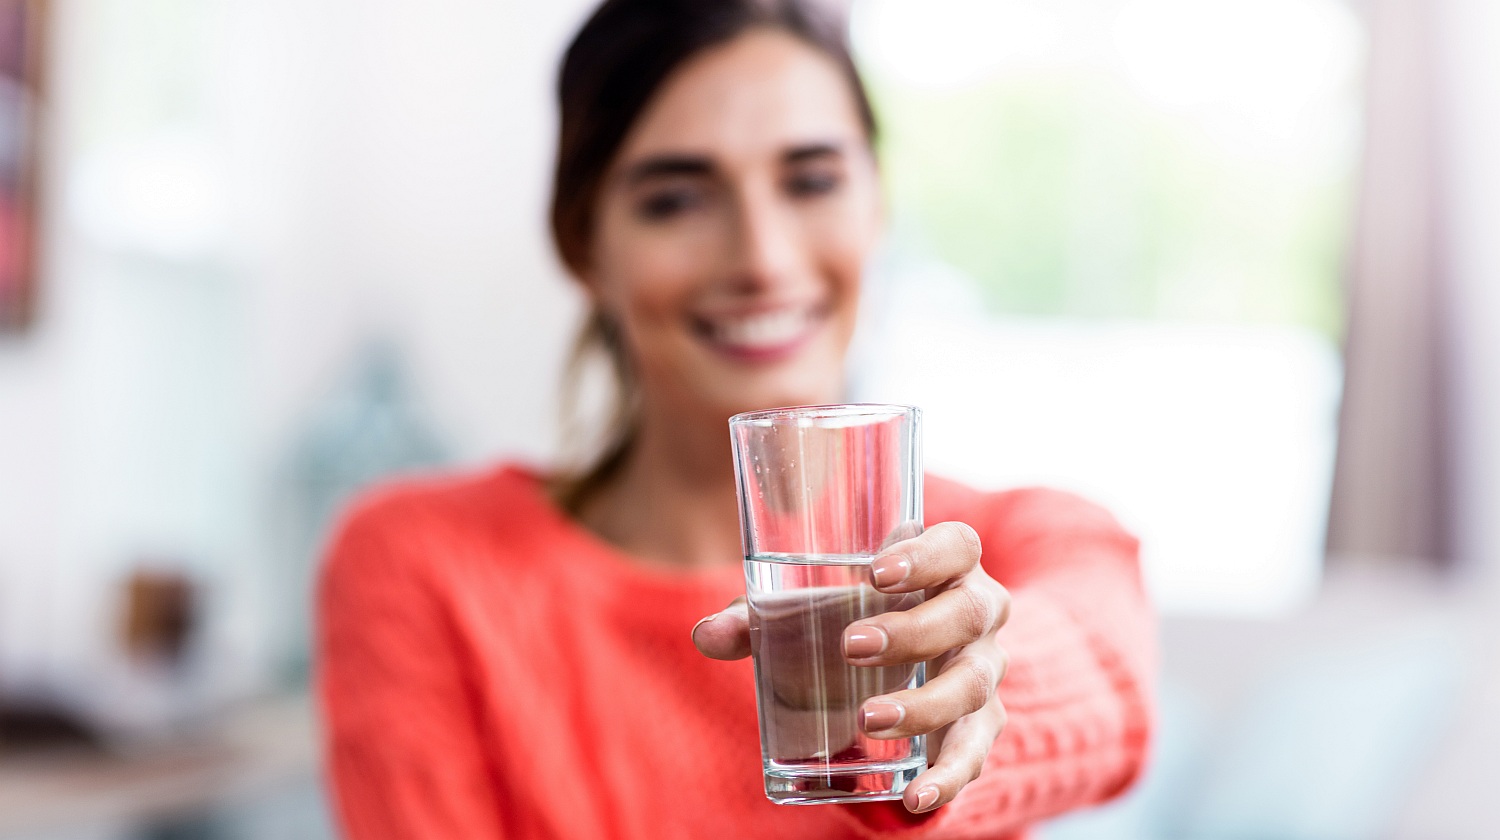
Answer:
(510, 654)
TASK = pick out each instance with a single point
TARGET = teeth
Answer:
(765, 330)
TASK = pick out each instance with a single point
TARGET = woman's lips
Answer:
(764, 336)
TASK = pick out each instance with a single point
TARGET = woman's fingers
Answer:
(965, 746)
(954, 618)
(726, 634)
(965, 685)
(945, 552)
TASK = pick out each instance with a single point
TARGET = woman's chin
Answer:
(723, 384)
(809, 374)
(762, 395)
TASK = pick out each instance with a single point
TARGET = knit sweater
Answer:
(488, 668)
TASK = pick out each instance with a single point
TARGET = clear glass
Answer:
(823, 489)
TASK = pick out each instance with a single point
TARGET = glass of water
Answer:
(822, 490)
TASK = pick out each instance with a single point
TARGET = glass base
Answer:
(869, 783)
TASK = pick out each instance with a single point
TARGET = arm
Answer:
(402, 739)
(1079, 657)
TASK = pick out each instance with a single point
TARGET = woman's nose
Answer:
(767, 247)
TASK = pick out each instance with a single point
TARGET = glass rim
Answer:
(831, 411)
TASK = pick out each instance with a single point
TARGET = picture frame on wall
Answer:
(22, 26)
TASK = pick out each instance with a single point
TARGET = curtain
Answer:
(1392, 477)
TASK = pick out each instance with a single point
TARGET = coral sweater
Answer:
(490, 669)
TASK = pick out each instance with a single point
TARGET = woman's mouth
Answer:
(767, 335)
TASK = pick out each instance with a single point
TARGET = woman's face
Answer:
(732, 229)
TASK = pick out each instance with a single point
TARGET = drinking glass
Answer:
(822, 489)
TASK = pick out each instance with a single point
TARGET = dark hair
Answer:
(615, 64)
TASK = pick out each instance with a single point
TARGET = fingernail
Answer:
(864, 642)
(880, 715)
(926, 798)
(693, 634)
(890, 570)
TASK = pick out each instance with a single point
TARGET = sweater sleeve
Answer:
(402, 738)
(1082, 642)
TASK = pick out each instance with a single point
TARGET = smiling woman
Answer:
(732, 230)
(712, 178)
(519, 653)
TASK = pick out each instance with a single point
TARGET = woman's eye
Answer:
(812, 184)
(666, 204)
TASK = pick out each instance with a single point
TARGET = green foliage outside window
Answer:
(1070, 195)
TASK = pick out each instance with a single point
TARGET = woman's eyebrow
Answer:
(658, 166)
(811, 151)
(666, 165)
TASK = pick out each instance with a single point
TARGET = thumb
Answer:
(724, 635)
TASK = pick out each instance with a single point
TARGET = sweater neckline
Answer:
(610, 559)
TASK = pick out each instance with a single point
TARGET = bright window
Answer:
(1118, 233)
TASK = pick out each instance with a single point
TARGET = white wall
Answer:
(415, 150)
(354, 167)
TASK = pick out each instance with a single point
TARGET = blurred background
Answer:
(1231, 267)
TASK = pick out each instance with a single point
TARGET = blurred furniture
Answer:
(1364, 716)
(260, 751)
(1212, 443)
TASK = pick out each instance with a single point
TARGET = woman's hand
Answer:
(953, 630)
